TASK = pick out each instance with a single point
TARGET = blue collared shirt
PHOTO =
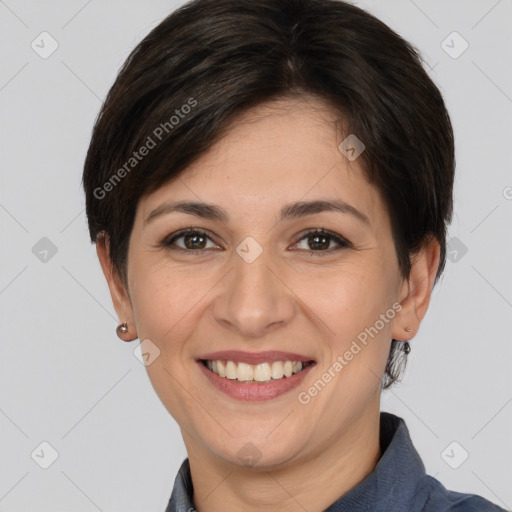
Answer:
(398, 483)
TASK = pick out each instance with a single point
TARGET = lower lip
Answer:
(255, 391)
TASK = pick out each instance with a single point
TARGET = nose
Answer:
(255, 299)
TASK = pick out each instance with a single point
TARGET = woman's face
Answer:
(251, 280)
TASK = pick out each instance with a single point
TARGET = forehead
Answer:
(277, 137)
(277, 153)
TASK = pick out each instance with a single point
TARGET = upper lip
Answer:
(239, 356)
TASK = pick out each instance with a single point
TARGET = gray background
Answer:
(66, 379)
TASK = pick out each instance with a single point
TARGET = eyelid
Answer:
(169, 240)
(339, 239)
(342, 242)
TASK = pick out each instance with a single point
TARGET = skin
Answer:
(294, 297)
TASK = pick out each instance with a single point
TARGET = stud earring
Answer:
(122, 329)
(406, 347)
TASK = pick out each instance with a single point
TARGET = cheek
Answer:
(356, 304)
(159, 301)
(166, 308)
(351, 296)
(167, 299)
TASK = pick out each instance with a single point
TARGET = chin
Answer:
(256, 453)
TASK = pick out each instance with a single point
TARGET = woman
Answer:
(269, 185)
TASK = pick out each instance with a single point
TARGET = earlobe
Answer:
(118, 292)
(417, 290)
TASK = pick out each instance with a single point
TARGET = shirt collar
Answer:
(392, 485)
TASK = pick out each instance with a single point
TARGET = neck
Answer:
(343, 462)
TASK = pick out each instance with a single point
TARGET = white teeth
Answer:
(231, 370)
(277, 370)
(245, 371)
(262, 372)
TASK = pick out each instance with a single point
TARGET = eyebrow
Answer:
(289, 211)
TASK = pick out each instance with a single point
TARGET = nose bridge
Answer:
(254, 299)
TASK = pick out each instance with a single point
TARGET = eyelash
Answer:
(342, 242)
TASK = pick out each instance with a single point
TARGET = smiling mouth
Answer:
(255, 373)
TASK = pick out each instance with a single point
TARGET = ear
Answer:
(415, 292)
(118, 291)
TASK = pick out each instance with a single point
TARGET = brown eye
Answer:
(194, 241)
(190, 240)
(321, 241)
